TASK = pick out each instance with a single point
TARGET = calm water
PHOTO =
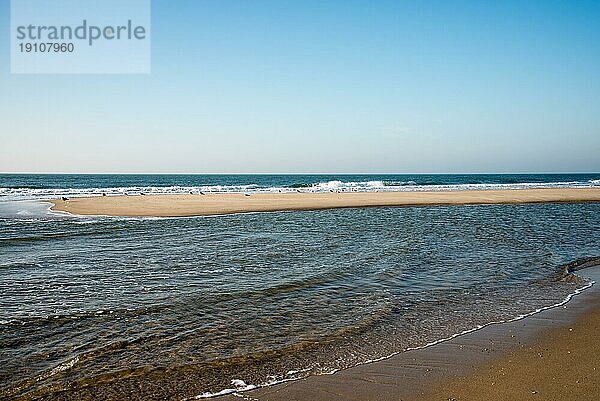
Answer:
(174, 308)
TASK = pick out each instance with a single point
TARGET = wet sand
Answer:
(215, 204)
(552, 355)
(562, 364)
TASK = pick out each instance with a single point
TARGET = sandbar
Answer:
(229, 203)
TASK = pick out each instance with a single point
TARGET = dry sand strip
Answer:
(215, 204)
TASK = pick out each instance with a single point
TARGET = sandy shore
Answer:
(213, 204)
(562, 364)
(552, 355)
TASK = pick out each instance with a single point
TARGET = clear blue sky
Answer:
(324, 87)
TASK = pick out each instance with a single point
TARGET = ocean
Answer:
(173, 308)
(40, 186)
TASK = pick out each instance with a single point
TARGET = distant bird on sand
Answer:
(64, 198)
(246, 194)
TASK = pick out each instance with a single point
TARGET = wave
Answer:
(23, 186)
(580, 264)
(299, 185)
(239, 388)
(31, 193)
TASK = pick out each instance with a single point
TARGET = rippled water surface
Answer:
(173, 308)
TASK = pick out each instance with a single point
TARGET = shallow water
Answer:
(180, 307)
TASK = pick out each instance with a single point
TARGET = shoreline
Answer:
(437, 371)
(230, 203)
(440, 371)
(556, 365)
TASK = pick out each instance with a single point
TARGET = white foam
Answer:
(9, 194)
(60, 368)
(296, 371)
(64, 366)
(240, 386)
(24, 210)
(247, 387)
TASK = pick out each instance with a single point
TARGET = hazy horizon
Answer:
(324, 88)
(311, 173)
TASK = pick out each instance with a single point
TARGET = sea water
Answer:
(172, 308)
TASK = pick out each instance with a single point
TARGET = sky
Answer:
(324, 87)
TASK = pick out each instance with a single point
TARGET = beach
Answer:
(221, 203)
(551, 355)
(562, 364)
(100, 307)
(300, 201)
